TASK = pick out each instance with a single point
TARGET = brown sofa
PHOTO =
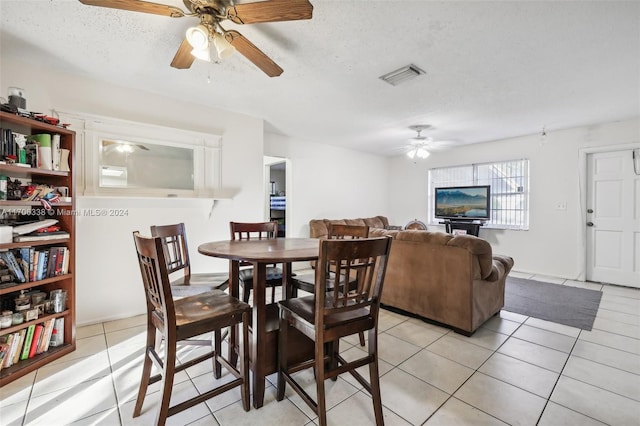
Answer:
(319, 228)
(452, 280)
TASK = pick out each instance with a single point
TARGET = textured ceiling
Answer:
(493, 69)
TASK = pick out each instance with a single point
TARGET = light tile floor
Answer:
(514, 370)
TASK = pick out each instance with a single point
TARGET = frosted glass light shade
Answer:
(419, 152)
(223, 47)
(203, 54)
(198, 37)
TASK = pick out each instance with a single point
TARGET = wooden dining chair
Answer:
(336, 231)
(176, 321)
(184, 283)
(260, 231)
(332, 313)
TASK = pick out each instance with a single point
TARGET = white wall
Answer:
(552, 245)
(107, 277)
(330, 182)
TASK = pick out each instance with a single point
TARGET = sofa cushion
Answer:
(319, 228)
(479, 247)
(356, 222)
(381, 232)
(439, 238)
(376, 222)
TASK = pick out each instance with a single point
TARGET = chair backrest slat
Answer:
(367, 258)
(253, 230)
(174, 243)
(155, 278)
(340, 231)
(257, 230)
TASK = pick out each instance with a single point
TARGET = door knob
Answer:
(589, 223)
(589, 210)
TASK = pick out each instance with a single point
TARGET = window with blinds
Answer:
(509, 182)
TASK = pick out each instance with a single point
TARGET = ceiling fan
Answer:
(421, 146)
(211, 14)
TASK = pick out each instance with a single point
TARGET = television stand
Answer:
(469, 226)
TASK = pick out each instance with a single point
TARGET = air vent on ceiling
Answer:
(401, 75)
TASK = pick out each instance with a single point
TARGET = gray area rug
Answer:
(572, 306)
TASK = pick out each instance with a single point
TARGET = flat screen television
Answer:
(463, 202)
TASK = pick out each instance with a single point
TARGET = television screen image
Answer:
(463, 202)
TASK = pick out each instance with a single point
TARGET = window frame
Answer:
(207, 163)
(515, 202)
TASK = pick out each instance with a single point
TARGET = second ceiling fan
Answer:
(211, 14)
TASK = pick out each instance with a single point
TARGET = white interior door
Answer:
(613, 218)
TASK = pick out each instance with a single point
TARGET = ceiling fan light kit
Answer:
(419, 152)
(223, 47)
(418, 143)
(202, 54)
(198, 37)
(211, 13)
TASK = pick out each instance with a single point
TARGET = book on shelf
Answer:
(37, 335)
(55, 151)
(7, 342)
(46, 335)
(65, 261)
(28, 228)
(24, 261)
(51, 263)
(59, 268)
(4, 351)
(43, 260)
(10, 260)
(20, 338)
(27, 342)
(41, 236)
(34, 265)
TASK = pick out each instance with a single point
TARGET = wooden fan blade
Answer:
(183, 58)
(270, 11)
(137, 6)
(252, 53)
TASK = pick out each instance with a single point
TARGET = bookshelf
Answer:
(64, 211)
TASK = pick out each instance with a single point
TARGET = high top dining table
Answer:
(263, 339)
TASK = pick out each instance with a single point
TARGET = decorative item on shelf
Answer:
(17, 318)
(64, 160)
(6, 320)
(44, 152)
(37, 297)
(20, 141)
(58, 300)
(14, 189)
(36, 192)
(3, 187)
(17, 97)
(5, 274)
(57, 335)
(22, 302)
(31, 152)
(31, 314)
(6, 236)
